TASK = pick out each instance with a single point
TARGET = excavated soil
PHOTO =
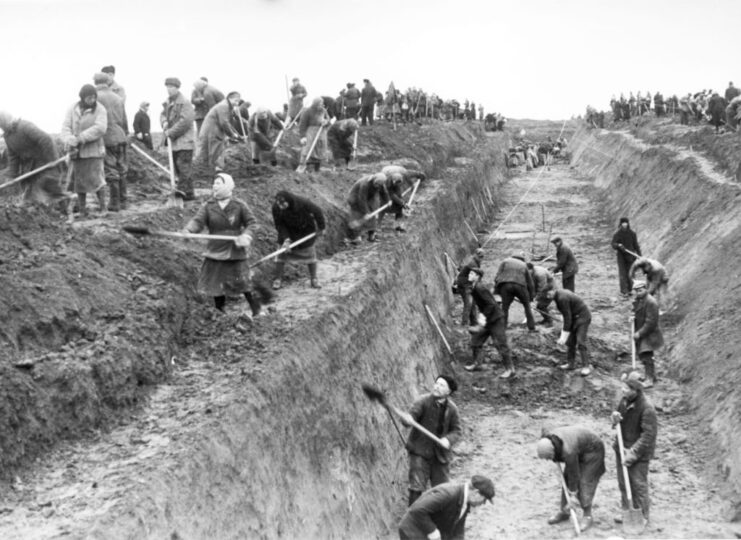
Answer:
(132, 409)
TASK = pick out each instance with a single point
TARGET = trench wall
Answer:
(688, 217)
(304, 454)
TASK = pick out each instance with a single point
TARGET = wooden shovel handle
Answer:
(419, 427)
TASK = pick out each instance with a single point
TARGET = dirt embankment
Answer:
(275, 437)
(687, 215)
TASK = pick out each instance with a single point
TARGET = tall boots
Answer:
(649, 367)
(100, 194)
(114, 196)
(254, 303)
(312, 275)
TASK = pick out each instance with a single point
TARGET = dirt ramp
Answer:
(687, 216)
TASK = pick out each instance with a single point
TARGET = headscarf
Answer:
(85, 91)
(300, 212)
(223, 191)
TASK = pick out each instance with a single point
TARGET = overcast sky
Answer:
(540, 59)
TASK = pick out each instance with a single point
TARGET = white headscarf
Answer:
(223, 191)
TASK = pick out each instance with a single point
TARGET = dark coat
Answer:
(352, 97)
(438, 508)
(142, 123)
(311, 117)
(576, 447)
(178, 115)
(573, 309)
(368, 95)
(565, 261)
(468, 266)
(426, 411)
(486, 304)
(301, 218)
(514, 270)
(367, 191)
(732, 92)
(28, 147)
(116, 127)
(639, 427)
(542, 279)
(629, 240)
(233, 220)
(646, 324)
(204, 100)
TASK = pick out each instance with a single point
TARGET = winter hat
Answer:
(545, 448)
(638, 284)
(108, 69)
(223, 191)
(172, 81)
(452, 384)
(624, 220)
(232, 94)
(88, 90)
(484, 486)
(100, 78)
(200, 84)
(633, 380)
(556, 240)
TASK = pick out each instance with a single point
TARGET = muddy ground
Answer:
(127, 396)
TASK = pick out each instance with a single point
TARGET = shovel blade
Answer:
(633, 521)
(174, 201)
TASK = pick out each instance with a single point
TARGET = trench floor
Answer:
(501, 430)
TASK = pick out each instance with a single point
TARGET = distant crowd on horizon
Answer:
(723, 112)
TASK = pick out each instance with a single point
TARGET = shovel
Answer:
(354, 159)
(173, 200)
(632, 341)
(156, 163)
(146, 231)
(439, 331)
(29, 174)
(374, 394)
(302, 167)
(283, 250)
(572, 512)
(356, 223)
(633, 521)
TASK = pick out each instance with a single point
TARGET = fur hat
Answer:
(452, 384)
(100, 78)
(108, 69)
(172, 81)
(633, 380)
(624, 220)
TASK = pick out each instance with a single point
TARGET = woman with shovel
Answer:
(225, 271)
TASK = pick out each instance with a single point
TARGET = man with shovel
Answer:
(260, 128)
(566, 264)
(636, 419)
(428, 460)
(657, 280)
(177, 127)
(646, 330)
(576, 321)
(340, 138)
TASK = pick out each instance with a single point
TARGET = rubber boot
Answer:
(123, 193)
(114, 204)
(413, 496)
(82, 204)
(253, 302)
(477, 360)
(101, 201)
(278, 275)
(312, 275)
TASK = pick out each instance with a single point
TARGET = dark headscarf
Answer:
(85, 91)
(301, 218)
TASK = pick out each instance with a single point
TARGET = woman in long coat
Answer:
(296, 217)
(82, 133)
(225, 271)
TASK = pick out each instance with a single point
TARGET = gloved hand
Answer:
(564, 337)
(434, 535)
(72, 142)
(303, 141)
(286, 245)
(244, 240)
(616, 418)
(630, 458)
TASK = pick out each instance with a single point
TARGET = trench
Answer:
(276, 439)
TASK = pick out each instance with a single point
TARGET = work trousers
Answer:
(468, 317)
(423, 470)
(510, 291)
(569, 283)
(542, 303)
(578, 340)
(496, 330)
(183, 160)
(638, 477)
(623, 262)
(115, 168)
(366, 114)
(591, 469)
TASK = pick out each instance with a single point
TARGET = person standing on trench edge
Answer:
(225, 271)
(441, 511)
(428, 461)
(489, 306)
(566, 264)
(583, 454)
(625, 240)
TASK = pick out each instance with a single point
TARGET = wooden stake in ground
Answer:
(439, 330)
(472, 233)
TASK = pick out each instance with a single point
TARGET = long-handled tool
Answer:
(146, 231)
(354, 155)
(283, 250)
(278, 138)
(632, 341)
(151, 159)
(471, 231)
(633, 520)
(173, 199)
(439, 330)
(374, 394)
(295, 119)
(572, 512)
(354, 224)
(414, 192)
(302, 167)
(37, 170)
(629, 252)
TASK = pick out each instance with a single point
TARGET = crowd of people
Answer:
(721, 110)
